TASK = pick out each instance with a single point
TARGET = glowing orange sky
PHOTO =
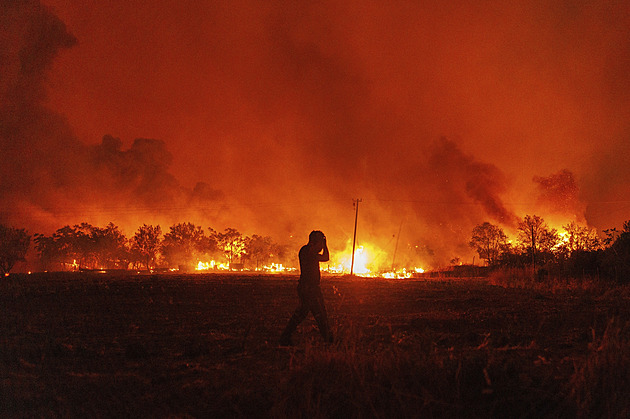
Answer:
(290, 110)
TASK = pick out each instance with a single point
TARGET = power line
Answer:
(104, 210)
(507, 203)
(218, 206)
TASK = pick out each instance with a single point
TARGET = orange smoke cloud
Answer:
(271, 117)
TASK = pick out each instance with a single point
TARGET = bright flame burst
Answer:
(205, 266)
(563, 240)
(368, 262)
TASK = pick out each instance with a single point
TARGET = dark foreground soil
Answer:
(89, 345)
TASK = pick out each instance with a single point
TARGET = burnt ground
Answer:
(90, 345)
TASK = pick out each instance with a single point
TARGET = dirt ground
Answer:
(205, 345)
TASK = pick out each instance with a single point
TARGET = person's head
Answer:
(317, 239)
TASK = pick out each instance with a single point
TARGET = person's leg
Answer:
(298, 317)
(319, 312)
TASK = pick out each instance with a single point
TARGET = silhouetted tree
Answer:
(537, 237)
(280, 253)
(110, 247)
(53, 252)
(83, 241)
(211, 247)
(183, 244)
(145, 244)
(616, 258)
(62, 247)
(611, 236)
(488, 240)
(511, 256)
(259, 249)
(47, 249)
(84, 246)
(14, 244)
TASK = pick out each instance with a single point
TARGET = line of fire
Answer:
(188, 248)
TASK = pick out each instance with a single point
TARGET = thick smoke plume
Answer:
(37, 144)
(483, 182)
(49, 177)
(559, 194)
(271, 117)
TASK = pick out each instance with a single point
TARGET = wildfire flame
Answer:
(205, 266)
(368, 262)
(276, 268)
(213, 265)
(361, 259)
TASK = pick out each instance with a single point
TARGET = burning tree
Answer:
(580, 239)
(231, 242)
(488, 240)
(14, 244)
(145, 244)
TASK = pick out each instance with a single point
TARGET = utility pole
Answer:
(354, 238)
(396, 248)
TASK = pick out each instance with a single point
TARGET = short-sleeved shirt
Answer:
(309, 267)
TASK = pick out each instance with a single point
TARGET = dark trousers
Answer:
(311, 300)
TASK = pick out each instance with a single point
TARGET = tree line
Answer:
(84, 246)
(577, 251)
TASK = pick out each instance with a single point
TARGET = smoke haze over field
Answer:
(271, 117)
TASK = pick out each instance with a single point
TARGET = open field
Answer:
(89, 345)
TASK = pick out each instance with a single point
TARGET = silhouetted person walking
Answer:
(309, 291)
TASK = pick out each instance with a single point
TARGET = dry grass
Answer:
(528, 279)
(355, 378)
(205, 346)
(600, 386)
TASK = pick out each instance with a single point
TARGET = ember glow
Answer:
(272, 117)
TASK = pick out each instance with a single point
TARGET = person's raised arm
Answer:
(325, 256)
